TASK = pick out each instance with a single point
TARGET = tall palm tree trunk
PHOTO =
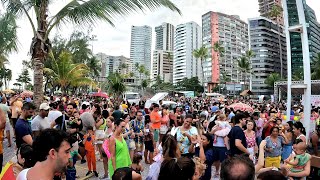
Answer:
(203, 82)
(280, 51)
(39, 52)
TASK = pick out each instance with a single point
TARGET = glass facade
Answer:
(295, 38)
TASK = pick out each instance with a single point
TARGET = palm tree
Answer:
(201, 54)
(315, 66)
(65, 74)
(8, 36)
(298, 74)
(76, 12)
(142, 71)
(219, 49)
(276, 12)
(6, 76)
(250, 54)
(224, 79)
(94, 66)
(116, 85)
(272, 78)
(244, 67)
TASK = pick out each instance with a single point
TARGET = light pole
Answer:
(306, 86)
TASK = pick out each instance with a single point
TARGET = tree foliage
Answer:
(202, 54)
(66, 74)
(115, 84)
(76, 12)
(24, 78)
(272, 78)
(315, 68)
(8, 35)
(160, 85)
(192, 84)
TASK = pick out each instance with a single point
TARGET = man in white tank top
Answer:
(52, 149)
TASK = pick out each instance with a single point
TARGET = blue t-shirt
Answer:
(209, 161)
(231, 115)
(22, 129)
(214, 108)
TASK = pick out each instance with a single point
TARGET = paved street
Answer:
(81, 168)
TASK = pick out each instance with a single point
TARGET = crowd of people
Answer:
(183, 141)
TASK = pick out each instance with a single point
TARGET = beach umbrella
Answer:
(241, 107)
(26, 93)
(100, 94)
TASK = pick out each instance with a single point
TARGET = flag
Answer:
(7, 172)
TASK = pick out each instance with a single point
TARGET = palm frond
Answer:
(8, 34)
(90, 11)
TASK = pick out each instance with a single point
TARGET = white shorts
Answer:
(100, 134)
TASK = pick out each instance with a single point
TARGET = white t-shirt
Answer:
(23, 174)
(5, 109)
(53, 115)
(39, 123)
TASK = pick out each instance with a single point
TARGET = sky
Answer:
(116, 40)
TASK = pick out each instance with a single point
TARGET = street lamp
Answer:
(302, 29)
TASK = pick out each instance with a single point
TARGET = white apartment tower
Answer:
(140, 48)
(187, 39)
(162, 63)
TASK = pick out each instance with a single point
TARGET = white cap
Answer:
(44, 106)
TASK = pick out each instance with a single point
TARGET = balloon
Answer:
(284, 117)
(291, 118)
(296, 118)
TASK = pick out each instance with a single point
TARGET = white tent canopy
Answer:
(155, 99)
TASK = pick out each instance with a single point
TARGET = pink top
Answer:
(164, 119)
(251, 141)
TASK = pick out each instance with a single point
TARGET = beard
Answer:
(60, 166)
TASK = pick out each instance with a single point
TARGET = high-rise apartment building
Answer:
(113, 64)
(164, 37)
(162, 65)
(232, 34)
(140, 48)
(265, 7)
(187, 39)
(264, 42)
(295, 37)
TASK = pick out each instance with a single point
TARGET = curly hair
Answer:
(200, 166)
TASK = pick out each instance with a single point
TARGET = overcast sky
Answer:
(116, 40)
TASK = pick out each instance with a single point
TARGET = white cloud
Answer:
(116, 40)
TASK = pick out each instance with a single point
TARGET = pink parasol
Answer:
(100, 94)
(241, 107)
(26, 94)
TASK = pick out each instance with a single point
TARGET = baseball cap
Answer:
(44, 106)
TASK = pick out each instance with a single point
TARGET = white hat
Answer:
(44, 106)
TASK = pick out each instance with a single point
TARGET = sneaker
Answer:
(89, 172)
(96, 173)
